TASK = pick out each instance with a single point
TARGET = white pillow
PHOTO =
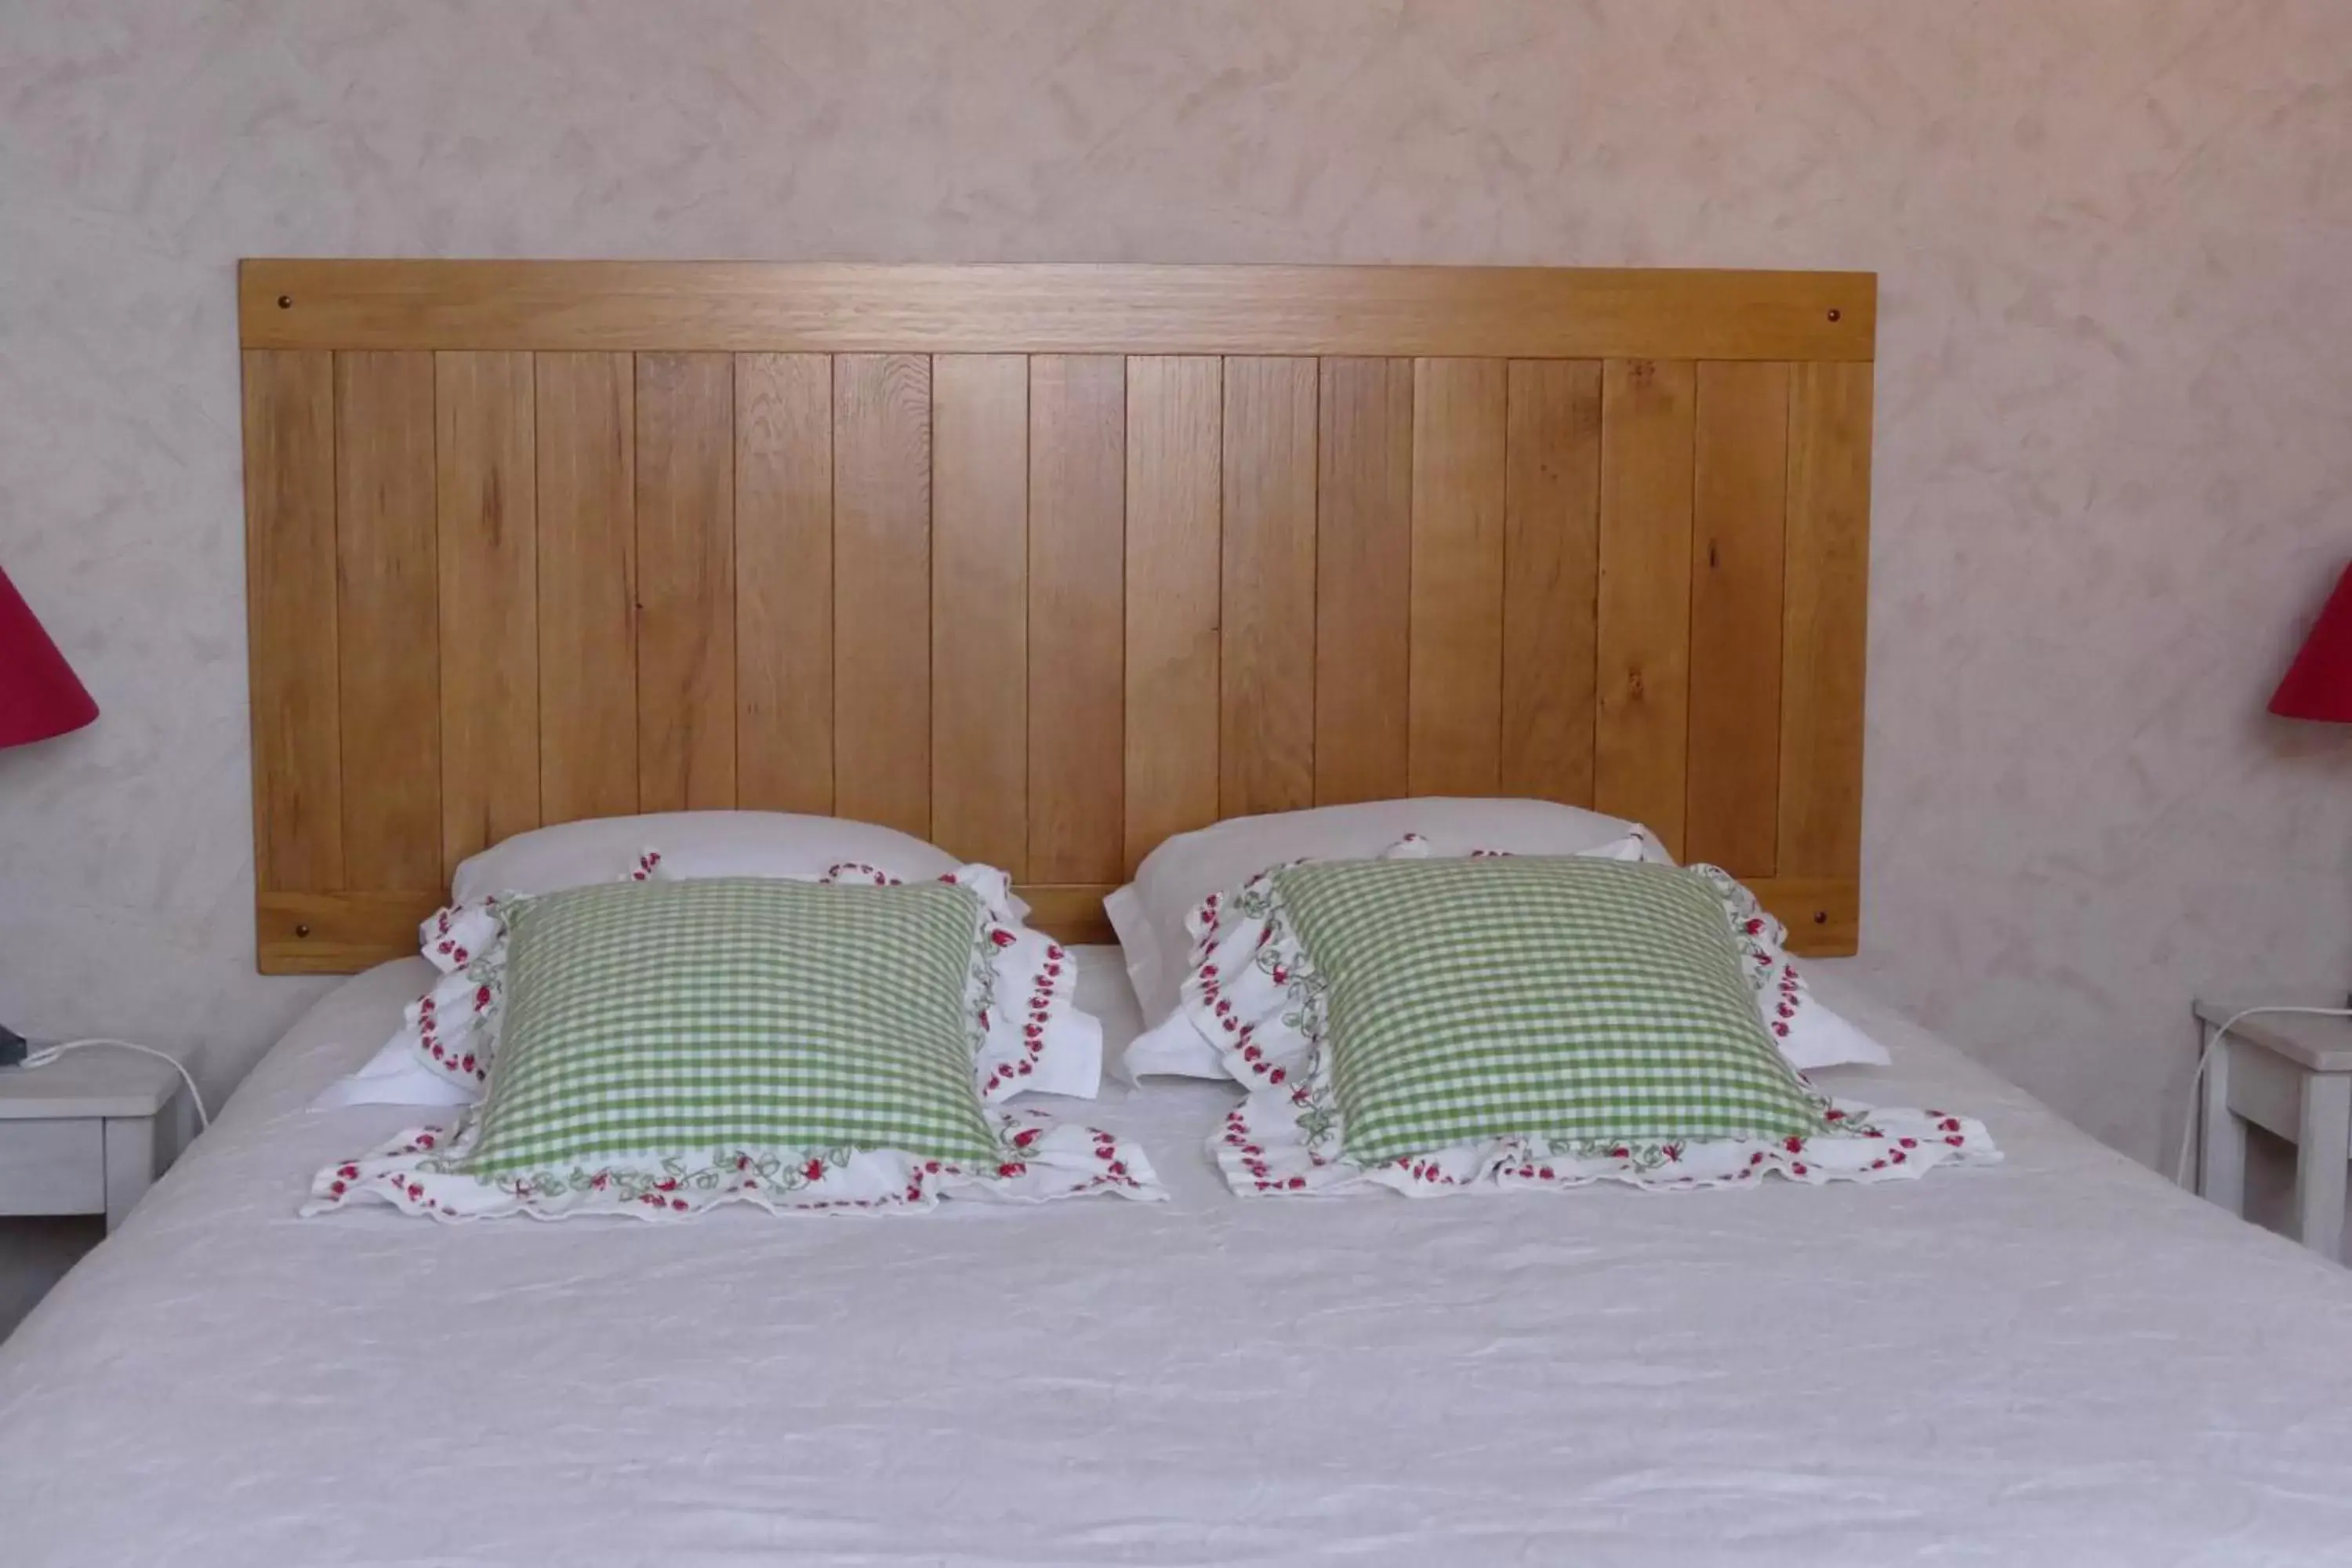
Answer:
(1149, 914)
(695, 843)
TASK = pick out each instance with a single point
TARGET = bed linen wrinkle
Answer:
(2060, 1359)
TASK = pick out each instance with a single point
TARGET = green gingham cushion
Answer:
(1572, 998)
(644, 1018)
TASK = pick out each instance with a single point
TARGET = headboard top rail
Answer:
(853, 307)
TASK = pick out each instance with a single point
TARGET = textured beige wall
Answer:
(2115, 393)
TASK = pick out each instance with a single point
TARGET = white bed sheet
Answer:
(2058, 1359)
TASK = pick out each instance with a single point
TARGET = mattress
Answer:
(2060, 1359)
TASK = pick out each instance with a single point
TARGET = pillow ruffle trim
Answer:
(1039, 1160)
(1267, 1147)
(452, 1029)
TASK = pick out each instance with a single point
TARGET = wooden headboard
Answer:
(1045, 564)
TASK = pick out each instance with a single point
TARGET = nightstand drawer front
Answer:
(2266, 1090)
(53, 1167)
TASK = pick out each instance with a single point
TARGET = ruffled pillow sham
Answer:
(786, 1044)
(1260, 995)
(1808, 1034)
(1036, 1038)
(1149, 914)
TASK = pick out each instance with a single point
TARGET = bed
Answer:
(2061, 1359)
(1046, 565)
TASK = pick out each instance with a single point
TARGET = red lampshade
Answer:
(39, 695)
(2318, 685)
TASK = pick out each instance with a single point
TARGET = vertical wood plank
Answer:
(1824, 624)
(1459, 417)
(1267, 738)
(882, 589)
(290, 501)
(1078, 493)
(587, 585)
(1642, 725)
(387, 621)
(685, 582)
(784, 583)
(1550, 570)
(485, 422)
(1363, 570)
(1740, 496)
(980, 608)
(1174, 584)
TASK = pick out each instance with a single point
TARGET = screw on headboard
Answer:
(1821, 917)
(302, 929)
(286, 303)
(1835, 314)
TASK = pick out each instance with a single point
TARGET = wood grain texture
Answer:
(1534, 312)
(1823, 914)
(1071, 913)
(486, 454)
(1640, 723)
(1824, 621)
(387, 619)
(1740, 486)
(587, 585)
(980, 608)
(1167, 588)
(784, 583)
(290, 521)
(1174, 595)
(685, 582)
(1552, 559)
(1078, 641)
(1267, 734)
(338, 932)
(882, 590)
(1460, 410)
(1363, 572)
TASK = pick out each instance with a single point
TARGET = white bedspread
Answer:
(2061, 1359)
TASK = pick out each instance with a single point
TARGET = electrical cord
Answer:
(2196, 1080)
(46, 1054)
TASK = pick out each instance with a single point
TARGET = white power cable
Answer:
(2188, 1132)
(45, 1054)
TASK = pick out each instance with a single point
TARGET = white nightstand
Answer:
(2291, 1074)
(87, 1134)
